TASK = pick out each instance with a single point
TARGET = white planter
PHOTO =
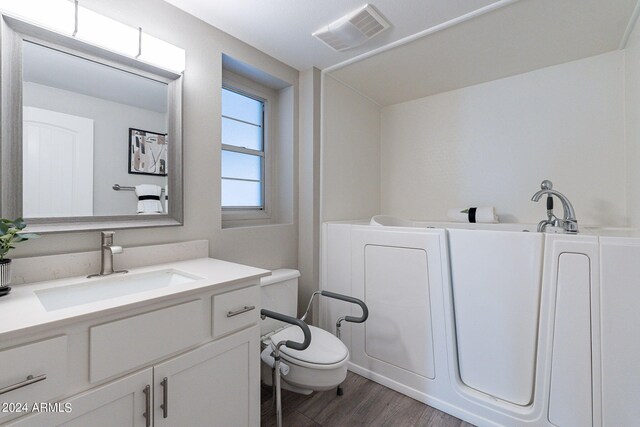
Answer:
(5, 272)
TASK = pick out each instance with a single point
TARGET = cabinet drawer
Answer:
(28, 377)
(120, 403)
(129, 343)
(235, 310)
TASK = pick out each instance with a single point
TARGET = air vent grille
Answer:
(353, 29)
(332, 40)
(367, 23)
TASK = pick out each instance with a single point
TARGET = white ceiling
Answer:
(282, 28)
(462, 43)
(521, 37)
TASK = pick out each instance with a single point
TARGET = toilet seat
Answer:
(325, 351)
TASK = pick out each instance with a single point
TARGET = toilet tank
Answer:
(279, 293)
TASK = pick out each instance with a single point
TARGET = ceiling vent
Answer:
(353, 29)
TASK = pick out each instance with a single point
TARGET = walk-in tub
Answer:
(463, 316)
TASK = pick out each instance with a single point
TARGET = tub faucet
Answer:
(569, 222)
(108, 250)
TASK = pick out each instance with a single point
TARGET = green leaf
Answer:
(4, 228)
(19, 223)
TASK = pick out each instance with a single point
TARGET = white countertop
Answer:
(21, 311)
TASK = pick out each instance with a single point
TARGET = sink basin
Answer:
(99, 289)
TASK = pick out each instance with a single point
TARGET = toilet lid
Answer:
(325, 348)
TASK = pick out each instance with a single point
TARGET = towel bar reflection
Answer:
(119, 187)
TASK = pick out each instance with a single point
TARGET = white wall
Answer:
(111, 121)
(284, 165)
(309, 184)
(633, 126)
(266, 246)
(350, 153)
(492, 144)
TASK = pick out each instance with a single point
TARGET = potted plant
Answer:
(10, 234)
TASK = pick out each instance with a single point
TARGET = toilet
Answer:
(322, 366)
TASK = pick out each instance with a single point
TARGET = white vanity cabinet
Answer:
(119, 403)
(189, 360)
(211, 386)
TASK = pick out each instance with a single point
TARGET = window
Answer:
(243, 151)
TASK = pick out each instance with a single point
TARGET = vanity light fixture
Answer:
(161, 54)
(105, 32)
(55, 15)
(68, 18)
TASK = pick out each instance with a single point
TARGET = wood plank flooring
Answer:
(364, 403)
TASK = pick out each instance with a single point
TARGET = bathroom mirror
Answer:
(94, 139)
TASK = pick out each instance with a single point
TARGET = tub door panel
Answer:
(398, 273)
(496, 280)
(570, 402)
(399, 329)
(620, 319)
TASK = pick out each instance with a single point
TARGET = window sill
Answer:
(238, 225)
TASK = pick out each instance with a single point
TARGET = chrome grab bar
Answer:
(118, 187)
(242, 310)
(30, 380)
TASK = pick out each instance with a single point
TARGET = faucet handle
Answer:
(546, 185)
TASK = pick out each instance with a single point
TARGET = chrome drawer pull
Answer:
(30, 380)
(165, 397)
(147, 405)
(242, 310)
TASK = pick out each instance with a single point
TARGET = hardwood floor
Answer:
(364, 403)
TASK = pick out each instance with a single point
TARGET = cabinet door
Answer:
(215, 385)
(120, 403)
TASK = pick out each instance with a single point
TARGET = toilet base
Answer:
(302, 379)
(265, 376)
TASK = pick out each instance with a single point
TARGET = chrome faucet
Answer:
(108, 250)
(569, 222)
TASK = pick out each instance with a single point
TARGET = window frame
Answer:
(255, 91)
